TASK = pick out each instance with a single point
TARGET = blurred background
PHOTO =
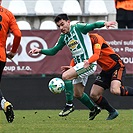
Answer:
(35, 12)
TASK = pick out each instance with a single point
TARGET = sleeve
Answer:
(85, 27)
(95, 56)
(16, 32)
(52, 51)
(97, 42)
(72, 63)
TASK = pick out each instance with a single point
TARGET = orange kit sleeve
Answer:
(72, 63)
(96, 45)
(14, 29)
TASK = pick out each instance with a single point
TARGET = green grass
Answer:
(48, 121)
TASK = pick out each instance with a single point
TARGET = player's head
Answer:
(63, 22)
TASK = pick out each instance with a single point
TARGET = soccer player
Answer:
(77, 40)
(111, 77)
(7, 24)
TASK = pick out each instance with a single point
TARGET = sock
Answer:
(3, 103)
(69, 104)
(104, 104)
(126, 91)
(85, 99)
(69, 91)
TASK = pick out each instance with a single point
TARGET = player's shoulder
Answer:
(80, 24)
(62, 37)
(6, 11)
(96, 38)
(96, 35)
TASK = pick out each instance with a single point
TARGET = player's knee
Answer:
(78, 95)
(94, 96)
(65, 76)
(115, 87)
(115, 90)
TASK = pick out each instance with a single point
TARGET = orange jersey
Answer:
(124, 4)
(8, 24)
(102, 53)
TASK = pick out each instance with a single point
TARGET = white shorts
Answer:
(80, 80)
(83, 73)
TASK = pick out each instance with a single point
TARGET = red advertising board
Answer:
(122, 43)
(23, 63)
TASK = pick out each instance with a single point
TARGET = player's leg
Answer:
(69, 107)
(118, 89)
(120, 18)
(101, 83)
(121, 24)
(130, 23)
(96, 95)
(79, 71)
(67, 76)
(80, 83)
(116, 86)
(5, 105)
(70, 74)
(79, 86)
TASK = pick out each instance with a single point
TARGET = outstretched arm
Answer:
(17, 37)
(110, 24)
(85, 27)
(50, 51)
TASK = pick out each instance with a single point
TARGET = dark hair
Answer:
(60, 17)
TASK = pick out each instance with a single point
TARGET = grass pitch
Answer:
(48, 121)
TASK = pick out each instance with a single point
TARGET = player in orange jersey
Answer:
(111, 76)
(124, 13)
(7, 25)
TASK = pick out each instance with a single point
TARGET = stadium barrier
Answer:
(31, 92)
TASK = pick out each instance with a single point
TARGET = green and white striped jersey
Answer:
(77, 40)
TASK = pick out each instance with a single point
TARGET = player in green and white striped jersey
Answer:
(76, 38)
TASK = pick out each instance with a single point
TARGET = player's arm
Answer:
(51, 51)
(96, 44)
(16, 41)
(17, 36)
(95, 56)
(85, 27)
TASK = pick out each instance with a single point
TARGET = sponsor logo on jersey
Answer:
(97, 46)
(72, 44)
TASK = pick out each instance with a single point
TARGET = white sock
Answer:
(2, 103)
(69, 104)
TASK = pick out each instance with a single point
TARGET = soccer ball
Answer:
(56, 85)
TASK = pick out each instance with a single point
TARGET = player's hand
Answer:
(34, 51)
(65, 68)
(86, 64)
(110, 24)
(10, 55)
